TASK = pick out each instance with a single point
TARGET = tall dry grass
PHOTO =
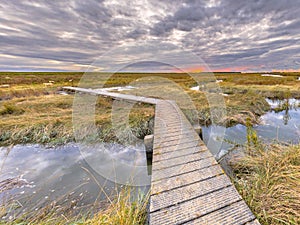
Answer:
(269, 180)
(123, 211)
(48, 120)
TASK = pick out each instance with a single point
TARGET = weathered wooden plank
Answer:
(161, 155)
(170, 121)
(188, 192)
(173, 148)
(174, 133)
(169, 162)
(195, 208)
(185, 179)
(174, 137)
(133, 98)
(176, 122)
(179, 128)
(178, 141)
(178, 125)
(181, 169)
(237, 213)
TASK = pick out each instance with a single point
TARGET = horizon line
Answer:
(66, 71)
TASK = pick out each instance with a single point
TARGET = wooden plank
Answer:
(185, 179)
(237, 213)
(161, 155)
(174, 137)
(133, 98)
(179, 128)
(181, 169)
(173, 148)
(179, 141)
(195, 208)
(160, 135)
(169, 162)
(182, 194)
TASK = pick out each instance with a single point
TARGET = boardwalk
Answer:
(188, 186)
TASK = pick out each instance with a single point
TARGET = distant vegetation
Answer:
(32, 110)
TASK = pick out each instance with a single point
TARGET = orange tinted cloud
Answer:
(287, 71)
(232, 69)
(198, 69)
(193, 69)
(225, 69)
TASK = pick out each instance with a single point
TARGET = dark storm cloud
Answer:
(235, 31)
(61, 34)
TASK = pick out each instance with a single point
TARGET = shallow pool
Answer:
(35, 176)
(281, 126)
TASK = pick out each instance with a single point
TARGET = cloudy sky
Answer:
(226, 35)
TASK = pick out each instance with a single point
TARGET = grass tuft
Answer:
(122, 211)
(10, 109)
(269, 180)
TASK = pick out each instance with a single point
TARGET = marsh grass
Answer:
(268, 178)
(11, 109)
(124, 209)
(34, 113)
(34, 119)
(48, 120)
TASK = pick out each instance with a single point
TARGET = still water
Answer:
(283, 126)
(36, 176)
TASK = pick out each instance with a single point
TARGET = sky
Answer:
(222, 35)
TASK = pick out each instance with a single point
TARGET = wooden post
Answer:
(148, 141)
(198, 130)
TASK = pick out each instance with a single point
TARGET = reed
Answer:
(268, 179)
